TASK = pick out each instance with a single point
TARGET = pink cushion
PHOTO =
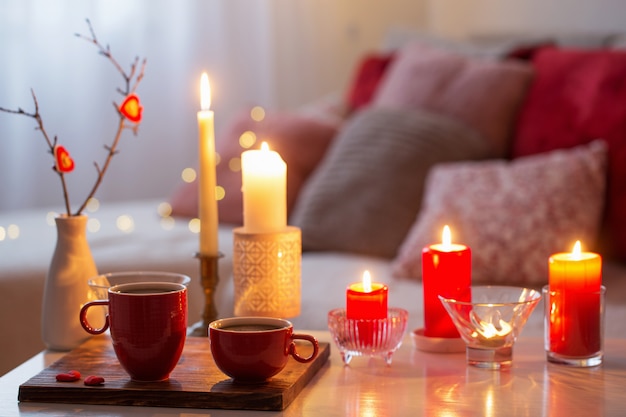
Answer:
(484, 93)
(513, 215)
(578, 96)
(300, 140)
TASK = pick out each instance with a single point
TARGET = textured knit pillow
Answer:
(513, 215)
(366, 192)
(485, 94)
(301, 141)
(576, 97)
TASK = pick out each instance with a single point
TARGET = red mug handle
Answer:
(85, 323)
(292, 347)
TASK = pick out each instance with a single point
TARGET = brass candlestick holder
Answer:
(209, 278)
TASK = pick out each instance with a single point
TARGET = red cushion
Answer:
(300, 140)
(526, 52)
(578, 96)
(366, 79)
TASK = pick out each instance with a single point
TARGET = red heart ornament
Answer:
(63, 160)
(131, 109)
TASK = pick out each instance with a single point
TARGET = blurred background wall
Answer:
(280, 54)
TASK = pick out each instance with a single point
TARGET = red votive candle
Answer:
(446, 271)
(366, 300)
(575, 280)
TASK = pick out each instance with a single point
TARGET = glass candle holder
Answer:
(490, 323)
(574, 327)
(373, 337)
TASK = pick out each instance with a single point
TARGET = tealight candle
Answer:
(575, 280)
(492, 335)
(366, 300)
(446, 271)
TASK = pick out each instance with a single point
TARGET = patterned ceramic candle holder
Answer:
(373, 337)
(267, 273)
(491, 322)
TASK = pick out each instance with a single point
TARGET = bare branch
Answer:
(139, 76)
(122, 125)
(106, 51)
(112, 149)
(51, 143)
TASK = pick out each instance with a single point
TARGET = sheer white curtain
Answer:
(75, 88)
(274, 53)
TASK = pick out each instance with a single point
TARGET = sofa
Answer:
(517, 143)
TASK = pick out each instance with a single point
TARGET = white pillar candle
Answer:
(207, 203)
(264, 186)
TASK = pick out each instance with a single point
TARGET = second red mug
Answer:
(253, 349)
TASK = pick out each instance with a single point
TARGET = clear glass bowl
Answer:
(491, 322)
(100, 285)
(377, 337)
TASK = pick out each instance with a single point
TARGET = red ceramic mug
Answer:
(148, 325)
(253, 349)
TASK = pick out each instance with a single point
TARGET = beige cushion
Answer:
(366, 192)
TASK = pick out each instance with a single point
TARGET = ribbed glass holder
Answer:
(362, 337)
(267, 273)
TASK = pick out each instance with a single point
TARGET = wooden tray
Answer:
(196, 382)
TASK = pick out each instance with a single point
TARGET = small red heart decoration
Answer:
(63, 160)
(131, 109)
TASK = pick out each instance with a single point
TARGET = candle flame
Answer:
(490, 330)
(495, 327)
(367, 281)
(446, 237)
(265, 146)
(205, 92)
(577, 251)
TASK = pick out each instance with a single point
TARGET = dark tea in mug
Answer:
(251, 327)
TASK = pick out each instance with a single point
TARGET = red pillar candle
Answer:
(366, 300)
(446, 271)
(575, 323)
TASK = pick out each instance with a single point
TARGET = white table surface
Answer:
(416, 384)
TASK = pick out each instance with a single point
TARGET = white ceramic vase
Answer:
(66, 288)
